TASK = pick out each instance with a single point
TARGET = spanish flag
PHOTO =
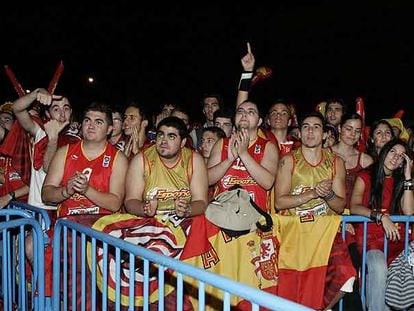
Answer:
(305, 247)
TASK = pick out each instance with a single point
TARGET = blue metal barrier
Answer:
(82, 233)
(13, 283)
(229, 287)
(406, 220)
(39, 214)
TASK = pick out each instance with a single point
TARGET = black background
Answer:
(171, 52)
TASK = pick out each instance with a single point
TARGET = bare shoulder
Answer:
(366, 160)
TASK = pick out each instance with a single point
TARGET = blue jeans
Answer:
(376, 280)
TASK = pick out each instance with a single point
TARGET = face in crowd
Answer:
(350, 131)
(116, 124)
(334, 113)
(132, 118)
(207, 142)
(381, 135)
(279, 116)
(312, 132)
(247, 116)
(225, 124)
(60, 110)
(169, 142)
(95, 126)
(210, 105)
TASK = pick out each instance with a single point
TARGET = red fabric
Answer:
(17, 145)
(40, 147)
(295, 286)
(375, 232)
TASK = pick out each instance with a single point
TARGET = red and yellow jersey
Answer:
(99, 172)
(167, 183)
(305, 176)
(237, 174)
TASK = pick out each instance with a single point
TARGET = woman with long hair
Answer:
(350, 131)
(386, 189)
(379, 134)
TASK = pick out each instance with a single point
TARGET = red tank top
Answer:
(99, 171)
(237, 174)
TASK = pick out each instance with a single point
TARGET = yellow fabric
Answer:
(305, 177)
(249, 259)
(164, 183)
(396, 122)
(306, 244)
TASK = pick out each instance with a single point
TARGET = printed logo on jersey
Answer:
(257, 149)
(166, 194)
(106, 161)
(74, 157)
(229, 181)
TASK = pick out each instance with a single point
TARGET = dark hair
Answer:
(180, 108)
(337, 100)
(224, 112)
(378, 176)
(350, 116)
(100, 107)
(215, 130)
(212, 94)
(137, 105)
(252, 102)
(176, 123)
(288, 105)
(331, 128)
(371, 149)
(315, 114)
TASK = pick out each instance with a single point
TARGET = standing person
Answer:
(86, 180)
(311, 182)
(245, 158)
(350, 131)
(380, 133)
(47, 137)
(386, 189)
(166, 186)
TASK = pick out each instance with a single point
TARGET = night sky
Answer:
(176, 53)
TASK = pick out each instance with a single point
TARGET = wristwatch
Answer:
(13, 195)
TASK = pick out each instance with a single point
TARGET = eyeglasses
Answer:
(250, 112)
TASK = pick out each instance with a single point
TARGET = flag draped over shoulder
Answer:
(305, 247)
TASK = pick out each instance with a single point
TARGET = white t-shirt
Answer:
(37, 178)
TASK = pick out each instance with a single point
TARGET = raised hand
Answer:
(248, 60)
(54, 127)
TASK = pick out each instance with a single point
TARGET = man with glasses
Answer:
(245, 158)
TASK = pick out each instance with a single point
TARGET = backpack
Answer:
(235, 212)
